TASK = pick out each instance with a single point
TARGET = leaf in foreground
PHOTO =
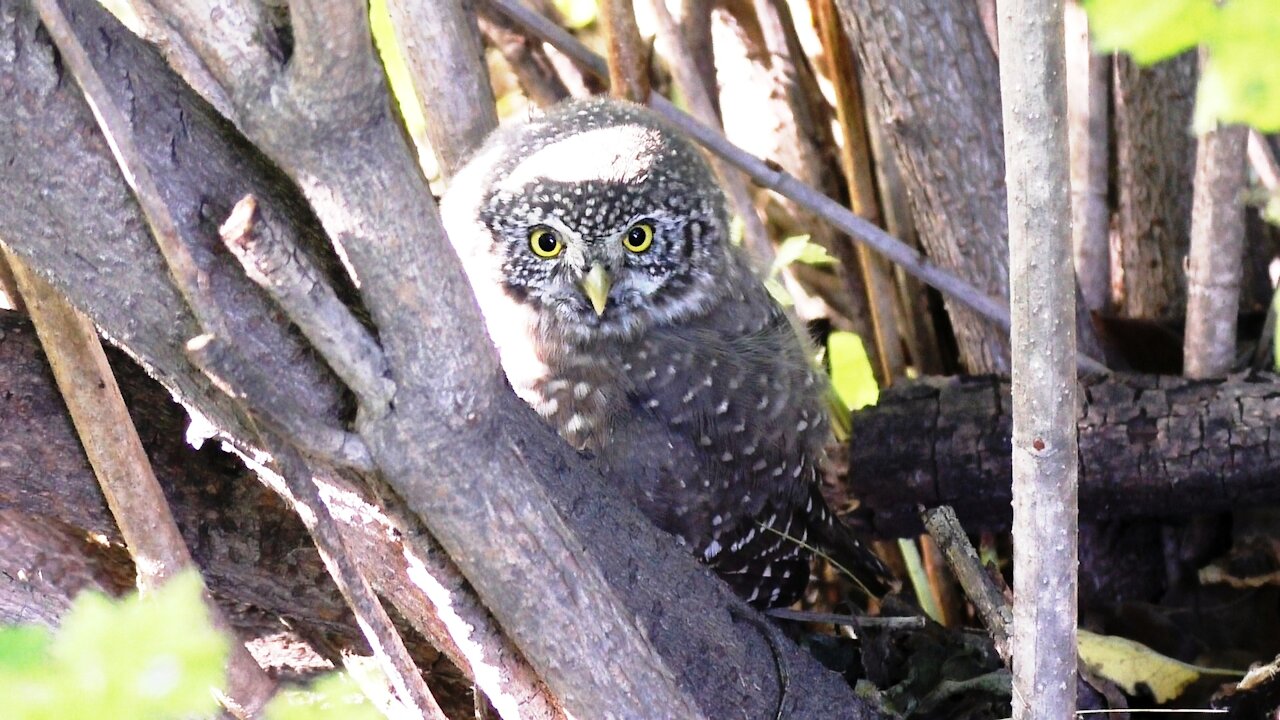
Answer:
(141, 657)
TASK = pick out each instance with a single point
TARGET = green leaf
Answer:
(1150, 30)
(135, 659)
(851, 374)
(799, 248)
(779, 292)
(1240, 82)
(23, 647)
(333, 696)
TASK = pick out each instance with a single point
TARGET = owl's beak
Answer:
(596, 286)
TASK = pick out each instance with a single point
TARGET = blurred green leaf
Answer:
(779, 292)
(800, 249)
(334, 696)
(1241, 80)
(1149, 30)
(577, 13)
(143, 657)
(851, 374)
(1239, 83)
(23, 647)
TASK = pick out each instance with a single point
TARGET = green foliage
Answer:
(851, 374)
(1239, 83)
(800, 249)
(333, 696)
(141, 657)
(151, 657)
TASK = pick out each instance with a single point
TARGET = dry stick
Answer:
(439, 40)
(223, 365)
(121, 465)
(534, 71)
(855, 160)
(769, 176)
(1042, 297)
(672, 46)
(187, 276)
(628, 54)
(1088, 93)
(301, 291)
(1217, 250)
(992, 606)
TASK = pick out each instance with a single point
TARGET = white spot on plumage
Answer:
(760, 465)
(723, 407)
(727, 456)
(652, 403)
(802, 426)
(764, 402)
(581, 390)
(577, 423)
(704, 441)
(712, 550)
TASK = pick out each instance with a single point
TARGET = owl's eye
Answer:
(545, 242)
(638, 238)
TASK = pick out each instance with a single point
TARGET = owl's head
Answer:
(596, 217)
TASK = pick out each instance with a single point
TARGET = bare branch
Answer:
(303, 293)
(628, 53)
(300, 488)
(672, 47)
(1088, 119)
(1042, 295)
(993, 608)
(439, 40)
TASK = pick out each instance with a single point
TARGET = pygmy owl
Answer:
(596, 240)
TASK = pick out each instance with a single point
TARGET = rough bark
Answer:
(1150, 446)
(934, 80)
(456, 426)
(1155, 161)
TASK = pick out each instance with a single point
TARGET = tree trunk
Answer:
(1155, 161)
(933, 77)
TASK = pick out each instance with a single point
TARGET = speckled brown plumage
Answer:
(688, 384)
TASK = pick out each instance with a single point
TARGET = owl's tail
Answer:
(845, 549)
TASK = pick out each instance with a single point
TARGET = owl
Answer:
(596, 240)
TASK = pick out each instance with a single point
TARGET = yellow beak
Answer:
(596, 286)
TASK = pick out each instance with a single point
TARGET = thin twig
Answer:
(769, 176)
(302, 292)
(292, 478)
(855, 161)
(120, 463)
(890, 623)
(299, 487)
(990, 603)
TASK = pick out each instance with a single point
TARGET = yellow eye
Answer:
(545, 242)
(638, 238)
